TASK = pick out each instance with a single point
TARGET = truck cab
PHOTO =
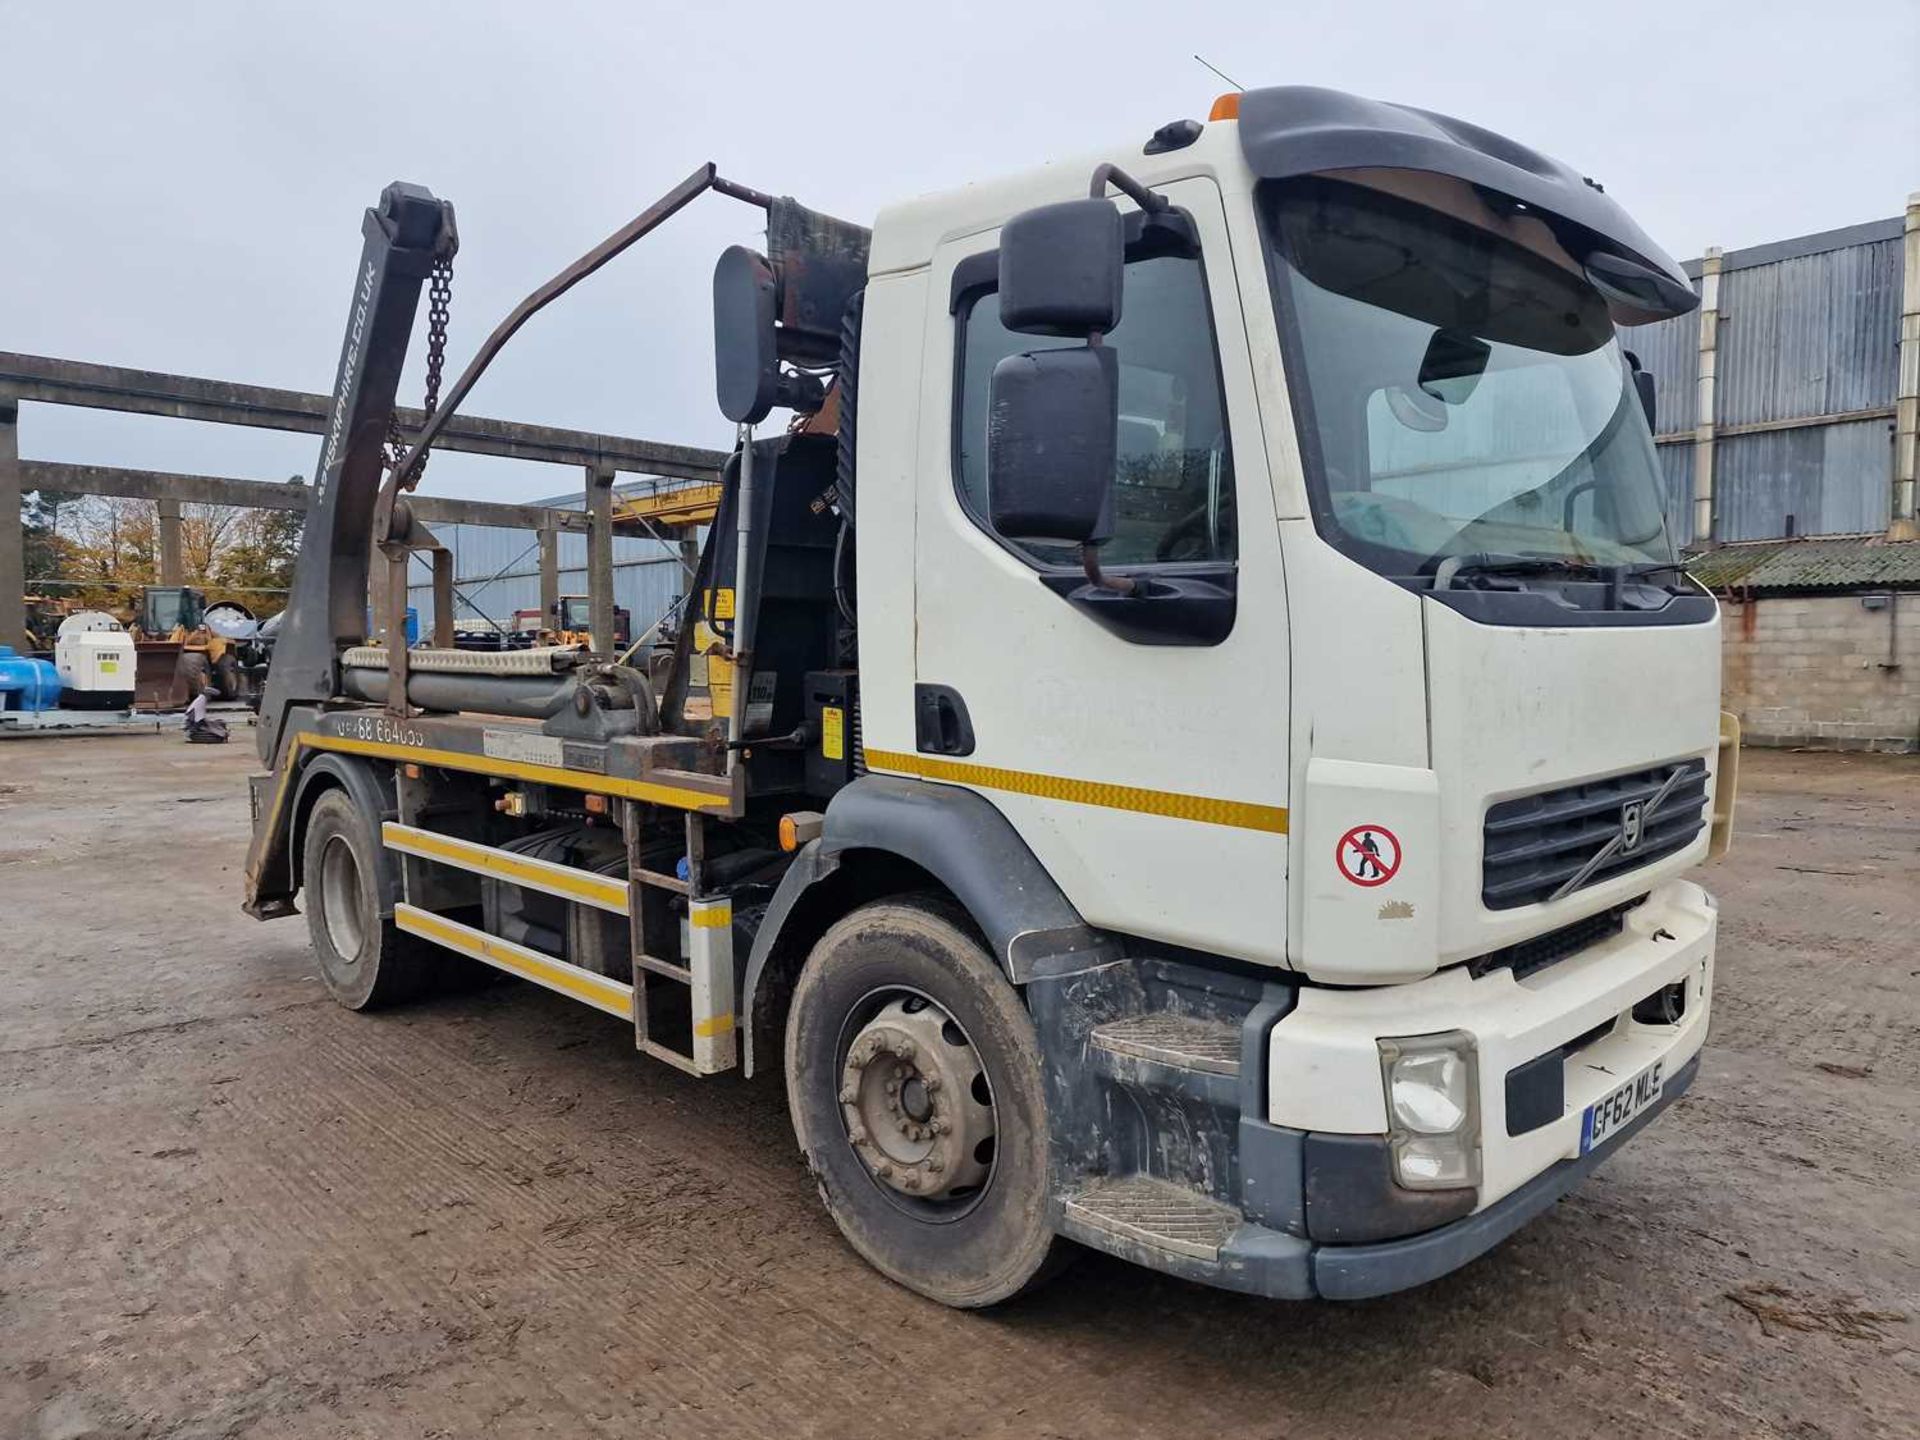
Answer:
(1423, 653)
(1221, 728)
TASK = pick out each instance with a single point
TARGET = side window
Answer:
(1173, 483)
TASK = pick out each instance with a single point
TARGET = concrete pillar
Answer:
(13, 540)
(549, 574)
(1906, 409)
(600, 559)
(1703, 427)
(172, 562)
(689, 558)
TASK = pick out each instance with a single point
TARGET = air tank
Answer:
(27, 684)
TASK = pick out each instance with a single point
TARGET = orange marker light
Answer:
(789, 834)
(1227, 107)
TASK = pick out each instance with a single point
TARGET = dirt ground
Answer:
(229, 1208)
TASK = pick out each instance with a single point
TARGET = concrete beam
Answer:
(13, 539)
(150, 392)
(268, 495)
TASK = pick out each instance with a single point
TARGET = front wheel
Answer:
(914, 1080)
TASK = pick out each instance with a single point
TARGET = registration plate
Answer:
(1607, 1115)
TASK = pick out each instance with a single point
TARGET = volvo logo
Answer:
(1633, 826)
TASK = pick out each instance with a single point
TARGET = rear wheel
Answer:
(915, 1084)
(364, 959)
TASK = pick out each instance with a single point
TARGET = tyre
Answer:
(914, 1081)
(192, 674)
(365, 961)
(226, 676)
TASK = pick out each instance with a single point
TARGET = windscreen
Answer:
(1467, 394)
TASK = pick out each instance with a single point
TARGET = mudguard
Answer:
(960, 839)
(371, 796)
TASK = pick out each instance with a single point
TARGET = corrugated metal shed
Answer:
(1813, 335)
(1809, 332)
(1811, 480)
(1860, 562)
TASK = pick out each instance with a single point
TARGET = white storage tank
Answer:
(95, 658)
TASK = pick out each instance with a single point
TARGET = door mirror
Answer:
(1052, 421)
(1061, 268)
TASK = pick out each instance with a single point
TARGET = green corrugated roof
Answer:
(1864, 562)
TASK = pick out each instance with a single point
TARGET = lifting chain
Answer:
(439, 310)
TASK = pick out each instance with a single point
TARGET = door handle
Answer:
(940, 721)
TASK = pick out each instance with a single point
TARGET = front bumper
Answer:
(1281, 1167)
(1258, 1260)
(1323, 1059)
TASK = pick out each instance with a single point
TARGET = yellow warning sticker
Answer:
(833, 732)
(722, 606)
(109, 667)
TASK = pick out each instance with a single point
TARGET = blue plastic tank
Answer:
(413, 625)
(27, 684)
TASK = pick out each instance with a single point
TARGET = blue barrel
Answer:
(413, 625)
(27, 684)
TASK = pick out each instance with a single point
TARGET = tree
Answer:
(258, 558)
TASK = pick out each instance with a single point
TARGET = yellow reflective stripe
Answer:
(648, 790)
(569, 980)
(717, 1025)
(711, 917)
(566, 881)
(1241, 814)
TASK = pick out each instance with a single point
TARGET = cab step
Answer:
(1155, 1213)
(1183, 1042)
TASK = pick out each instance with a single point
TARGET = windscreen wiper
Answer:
(1485, 564)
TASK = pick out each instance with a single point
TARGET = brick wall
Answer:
(1812, 670)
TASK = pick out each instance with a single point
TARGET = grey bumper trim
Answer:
(1359, 1272)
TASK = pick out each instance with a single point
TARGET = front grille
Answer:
(1535, 844)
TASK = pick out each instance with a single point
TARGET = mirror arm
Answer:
(1090, 562)
(1111, 174)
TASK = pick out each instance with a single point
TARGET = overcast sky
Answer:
(181, 183)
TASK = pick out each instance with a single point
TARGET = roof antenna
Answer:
(1222, 74)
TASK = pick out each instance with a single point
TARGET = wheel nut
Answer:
(907, 1050)
(936, 1164)
(911, 1182)
(883, 1170)
(933, 1084)
(849, 1096)
(858, 1134)
(941, 1127)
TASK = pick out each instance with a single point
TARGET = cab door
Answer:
(1141, 755)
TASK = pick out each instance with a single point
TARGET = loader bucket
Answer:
(157, 681)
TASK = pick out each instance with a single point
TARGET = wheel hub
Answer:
(916, 1104)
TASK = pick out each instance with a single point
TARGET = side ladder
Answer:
(682, 1012)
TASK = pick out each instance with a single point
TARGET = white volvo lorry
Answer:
(1204, 734)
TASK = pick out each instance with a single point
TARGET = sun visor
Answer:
(1294, 130)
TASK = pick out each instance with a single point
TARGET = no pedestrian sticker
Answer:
(1368, 855)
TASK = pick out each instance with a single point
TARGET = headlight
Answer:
(1433, 1107)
